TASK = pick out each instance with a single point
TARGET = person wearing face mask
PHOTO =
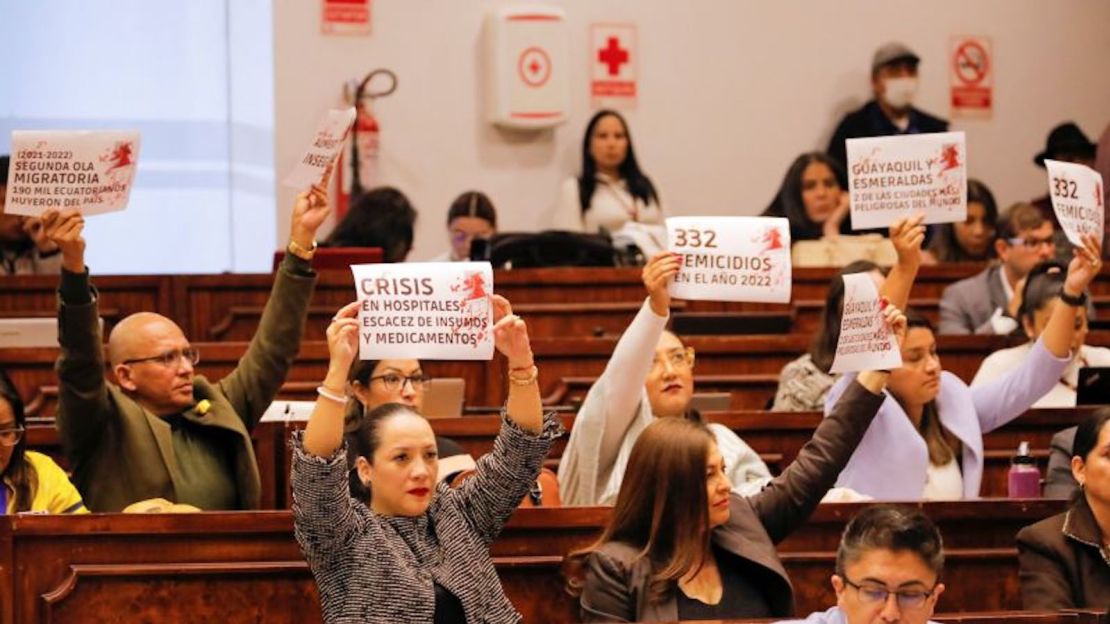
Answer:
(649, 376)
(971, 240)
(682, 544)
(610, 191)
(928, 435)
(419, 552)
(471, 216)
(813, 198)
(891, 111)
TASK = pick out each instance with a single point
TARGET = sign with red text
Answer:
(899, 176)
(91, 171)
(971, 76)
(345, 17)
(866, 341)
(326, 143)
(614, 62)
(425, 310)
(1077, 198)
(731, 258)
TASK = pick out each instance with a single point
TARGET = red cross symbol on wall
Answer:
(613, 56)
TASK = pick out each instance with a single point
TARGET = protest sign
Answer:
(326, 143)
(1076, 192)
(425, 310)
(84, 170)
(905, 175)
(731, 258)
(865, 342)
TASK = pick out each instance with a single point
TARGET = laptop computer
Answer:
(1094, 386)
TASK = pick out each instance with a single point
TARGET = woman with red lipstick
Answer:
(928, 436)
(681, 544)
(649, 376)
(420, 551)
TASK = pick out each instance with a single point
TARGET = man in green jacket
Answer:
(163, 432)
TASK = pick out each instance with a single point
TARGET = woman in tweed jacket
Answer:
(420, 552)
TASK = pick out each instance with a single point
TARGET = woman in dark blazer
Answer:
(1065, 560)
(680, 545)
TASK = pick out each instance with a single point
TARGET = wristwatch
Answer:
(1075, 301)
(304, 253)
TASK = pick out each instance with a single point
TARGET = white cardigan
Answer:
(610, 207)
(1003, 361)
(617, 410)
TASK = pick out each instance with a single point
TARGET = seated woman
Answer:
(928, 436)
(1039, 299)
(381, 217)
(1065, 560)
(471, 216)
(682, 544)
(374, 383)
(805, 381)
(649, 376)
(420, 551)
(610, 191)
(971, 240)
(29, 481)
(813, 198)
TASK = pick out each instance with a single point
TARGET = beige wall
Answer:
(731, 92)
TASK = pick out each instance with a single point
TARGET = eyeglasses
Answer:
(907, 600)
(394, 382)
(679, 359)
(1031, 243)
(11, 436)
(170, 358)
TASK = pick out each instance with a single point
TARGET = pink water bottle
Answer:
(1024, 477)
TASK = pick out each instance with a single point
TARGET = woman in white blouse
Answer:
(1039, 297)
(611, 191)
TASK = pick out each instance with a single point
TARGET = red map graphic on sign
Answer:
(121, 156)
(949, 157)
(773, 238)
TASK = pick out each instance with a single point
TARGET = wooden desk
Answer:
(246, 567)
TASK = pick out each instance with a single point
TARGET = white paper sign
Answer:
(865, 342)
(85, 170)
(905, 175)
(425, 310)
(731, 258)
(326, 143)
(1076, 192)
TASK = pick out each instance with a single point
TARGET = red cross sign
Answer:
(614, 64)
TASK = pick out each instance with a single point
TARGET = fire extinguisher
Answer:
(358, 167)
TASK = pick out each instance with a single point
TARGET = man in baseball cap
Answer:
(891, 111)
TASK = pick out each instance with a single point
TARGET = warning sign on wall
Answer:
(613, 64)
(971, 67)
(345, 17)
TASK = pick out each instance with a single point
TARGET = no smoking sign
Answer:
(971, 71)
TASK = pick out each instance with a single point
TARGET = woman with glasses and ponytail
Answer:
(29, 481)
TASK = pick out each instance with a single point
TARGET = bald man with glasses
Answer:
(163, 431)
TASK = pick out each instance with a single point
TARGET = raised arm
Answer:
(83, 403)
(790, 498)
(503, 476)
(907, 235)
(1060, 331)
(324, 432)
(256, 380)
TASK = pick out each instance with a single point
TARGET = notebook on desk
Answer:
(29, 332)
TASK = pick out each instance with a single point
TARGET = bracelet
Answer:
(331, 395)
(1075, 301)
(533, 374)
(304, 253)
